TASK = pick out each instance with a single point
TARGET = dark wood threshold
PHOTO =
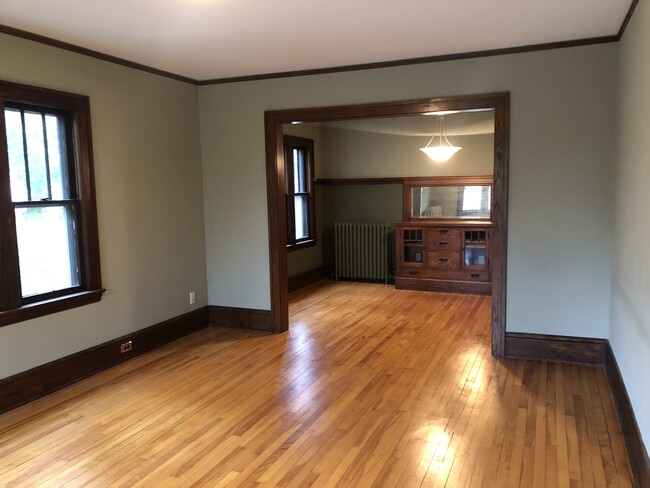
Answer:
(639, 459)
(306, 278)
(565, 349)
(241, 318)
(37, 382)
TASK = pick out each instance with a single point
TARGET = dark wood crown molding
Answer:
(12, 31)
(627, 19)
(5, 29)
(420, 60)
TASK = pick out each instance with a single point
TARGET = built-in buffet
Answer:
(443, 244)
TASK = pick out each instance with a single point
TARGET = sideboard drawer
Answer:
(437, 242)
(443, 259)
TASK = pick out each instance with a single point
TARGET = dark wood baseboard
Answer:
(565, 349)
(639, 460)
(597, 352)
(37, 382)
(444, 286)
(241, 318)
(306, 278)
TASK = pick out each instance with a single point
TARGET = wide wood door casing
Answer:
(274, 120)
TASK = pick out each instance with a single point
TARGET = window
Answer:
(299, 188)
(475, 201)
(49, 256)
(472, 198)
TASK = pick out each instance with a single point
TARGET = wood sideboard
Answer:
(449, 257)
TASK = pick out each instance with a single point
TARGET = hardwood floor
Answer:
(371, 386)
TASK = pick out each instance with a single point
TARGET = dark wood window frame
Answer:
(275, 179)
(307, 145)
(75, 111)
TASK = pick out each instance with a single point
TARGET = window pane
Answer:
(47, 249)
(472, 198)
(299, 173)
(15, 149)
(486, 198)
(56, 152)
(302, 226)
(36, 156)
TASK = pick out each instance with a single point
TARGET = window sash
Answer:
(61, 140)
(41, 144)
(70, 255)
(299, 191)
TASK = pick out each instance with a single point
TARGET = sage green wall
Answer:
(149, 199)
(559, 246)
(357, 154)
(630, 320)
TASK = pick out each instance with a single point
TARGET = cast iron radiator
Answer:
(361, 251)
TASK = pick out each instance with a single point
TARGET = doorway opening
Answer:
(276, 199)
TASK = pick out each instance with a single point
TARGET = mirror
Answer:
(451, 202)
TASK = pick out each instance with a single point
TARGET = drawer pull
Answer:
(443, 243)
(444, 231)
(475, 275)
(443, 260)
(413, 272)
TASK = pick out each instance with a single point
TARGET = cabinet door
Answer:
(475, 249)
(411, 247)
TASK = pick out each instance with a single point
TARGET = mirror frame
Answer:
(442, 181)
(276, 204)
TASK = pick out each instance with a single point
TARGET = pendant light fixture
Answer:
(443, 150)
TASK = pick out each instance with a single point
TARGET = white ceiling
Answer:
(207, 39)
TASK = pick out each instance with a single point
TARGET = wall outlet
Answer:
(126, 347)
(192, 298)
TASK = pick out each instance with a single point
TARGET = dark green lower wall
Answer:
(346, 203)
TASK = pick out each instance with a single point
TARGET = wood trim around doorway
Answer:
(273, 121)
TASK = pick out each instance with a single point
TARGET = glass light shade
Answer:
(440, 154)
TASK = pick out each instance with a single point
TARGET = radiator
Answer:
(361, 251)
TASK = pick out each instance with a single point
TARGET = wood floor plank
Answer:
(371, 386)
